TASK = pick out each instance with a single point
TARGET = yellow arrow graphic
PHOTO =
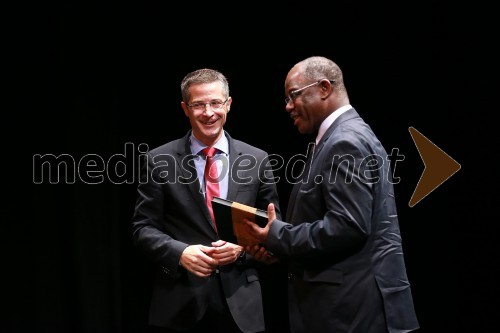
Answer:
(439, 166)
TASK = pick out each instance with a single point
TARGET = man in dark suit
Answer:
(205, 284)
(342, 240)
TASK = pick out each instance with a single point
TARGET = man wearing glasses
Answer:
(204, 284)
(346, 269)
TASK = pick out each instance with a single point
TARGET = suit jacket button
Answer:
(290, 275)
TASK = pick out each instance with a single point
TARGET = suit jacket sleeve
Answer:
(331, 217)
(147, 230)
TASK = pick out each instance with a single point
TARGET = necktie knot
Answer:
(209, 151)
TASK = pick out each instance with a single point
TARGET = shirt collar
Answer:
(329, 121)
(197, 146)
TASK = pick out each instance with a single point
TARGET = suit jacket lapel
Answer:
(311, 153)
(293, 195)
(234, 153)
(349, 114)
(184, 151)
(291, 202)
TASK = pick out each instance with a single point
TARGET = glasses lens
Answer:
(291, 97)
(198, 106)
(216, 105)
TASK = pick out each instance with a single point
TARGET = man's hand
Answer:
(261, 254)
(225, 253)
(197, 259)
(260, 234)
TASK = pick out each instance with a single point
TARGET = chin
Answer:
(303, 130)
(213, 134)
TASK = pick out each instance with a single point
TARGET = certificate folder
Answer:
(229, 217)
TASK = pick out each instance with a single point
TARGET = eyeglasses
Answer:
(216, 105)
(294, 94)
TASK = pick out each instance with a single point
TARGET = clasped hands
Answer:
(203, 260)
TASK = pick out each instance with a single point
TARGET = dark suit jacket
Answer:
(346, 266)
(171, 214)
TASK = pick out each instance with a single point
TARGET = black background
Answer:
(90, 77)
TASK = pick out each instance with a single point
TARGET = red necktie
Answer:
(211, 179)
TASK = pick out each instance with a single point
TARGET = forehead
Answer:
(294, 79)
(212, 89)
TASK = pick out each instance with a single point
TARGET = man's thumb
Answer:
(271, 213)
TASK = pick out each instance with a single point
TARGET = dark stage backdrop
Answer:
(102, 80)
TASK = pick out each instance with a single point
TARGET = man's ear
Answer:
(326, 89)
